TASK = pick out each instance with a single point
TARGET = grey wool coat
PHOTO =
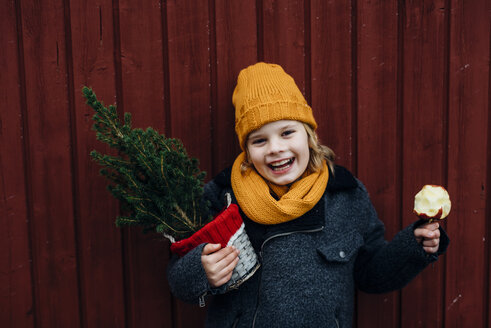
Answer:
(310, 266)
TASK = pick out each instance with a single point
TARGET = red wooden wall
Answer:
(400, 89)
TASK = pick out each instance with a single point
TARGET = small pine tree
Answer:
(158, 184)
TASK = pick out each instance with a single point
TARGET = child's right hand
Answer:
(219, 263)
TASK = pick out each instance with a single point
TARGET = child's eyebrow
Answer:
(255, 135)
(289, 126)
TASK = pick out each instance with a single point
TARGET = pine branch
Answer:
(153, 176)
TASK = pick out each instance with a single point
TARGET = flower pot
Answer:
(226, 229)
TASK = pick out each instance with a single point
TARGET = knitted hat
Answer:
(264, 94)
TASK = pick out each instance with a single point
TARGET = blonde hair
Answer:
(318, 153)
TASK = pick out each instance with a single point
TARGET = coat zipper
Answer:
(201, 300)
(261, 259)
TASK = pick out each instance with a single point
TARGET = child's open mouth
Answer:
(282, 165)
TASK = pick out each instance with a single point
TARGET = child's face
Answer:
(279, 151)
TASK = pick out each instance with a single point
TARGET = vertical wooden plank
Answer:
(189, 64)
(331, 67)
(378, 133)
(284, 37)
(236, 47)
(101, 274)
(141, 62)
(50, 165)
(141, 39)
(468, 123)
(424, 148)
(190, 97)
(488, 184)
(15, 278)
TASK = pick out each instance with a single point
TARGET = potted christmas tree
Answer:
(161, 189)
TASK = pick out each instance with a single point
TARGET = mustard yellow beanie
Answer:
(264, 94)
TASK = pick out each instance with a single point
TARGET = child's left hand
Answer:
(428, 236)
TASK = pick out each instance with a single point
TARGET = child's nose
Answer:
(276, 146)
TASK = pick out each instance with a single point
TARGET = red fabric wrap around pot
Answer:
(218, 231)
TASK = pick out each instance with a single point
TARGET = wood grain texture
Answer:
(16, 297)
(190, 89)
(50, 163)
(331, 74)
(465, 298)
(99, 254)
(283, 37)
(378, 135)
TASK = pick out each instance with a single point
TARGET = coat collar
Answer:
(342, 179)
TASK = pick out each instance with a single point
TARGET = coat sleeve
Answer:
(383, 266)
(186, 275)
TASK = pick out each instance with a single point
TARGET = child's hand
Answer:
(219, 263)
(428, 235)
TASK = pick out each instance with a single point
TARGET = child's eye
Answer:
(258, 141)
(288, 132)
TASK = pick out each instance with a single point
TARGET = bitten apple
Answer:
(432, 203)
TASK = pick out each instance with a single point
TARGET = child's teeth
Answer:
(281, 163)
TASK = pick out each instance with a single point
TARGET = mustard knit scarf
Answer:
(254, 197)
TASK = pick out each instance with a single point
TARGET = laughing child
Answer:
(310, 221)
